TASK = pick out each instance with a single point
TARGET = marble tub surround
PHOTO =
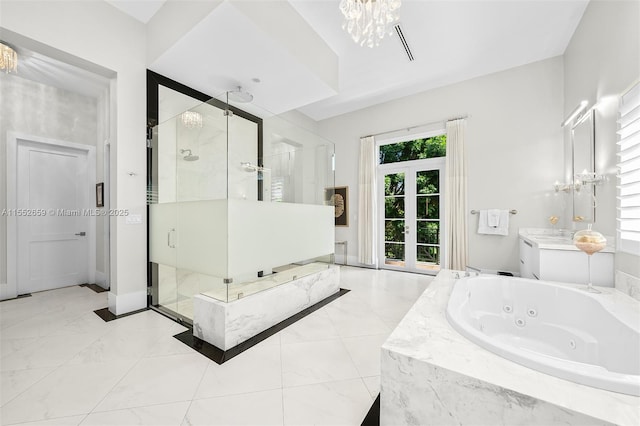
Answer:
(557, 239)
(433, 375)
(226, 325)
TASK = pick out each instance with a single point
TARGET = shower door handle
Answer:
(81, 234)
(169, 238)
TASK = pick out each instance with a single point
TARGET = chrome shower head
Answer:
(189, 156)
(239, 95)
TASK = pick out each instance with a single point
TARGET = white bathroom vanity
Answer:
(550, 255)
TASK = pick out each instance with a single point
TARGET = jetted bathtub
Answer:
(558, 329)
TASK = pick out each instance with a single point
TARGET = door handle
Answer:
(81, 234)
(169, 238)
(406, 229)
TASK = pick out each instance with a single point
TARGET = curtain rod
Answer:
(408, 129)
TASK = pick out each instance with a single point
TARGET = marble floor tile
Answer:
(331, 403)
(314, 327)
(50, 351)
(60, 421)
(255, 370)
(154, 415)
(365, 353)
(373, 385)
(316, 362)
(68, 391)
(356, 320)
(158, 380)
(258, 408)
(118, 344)
(62, 365)
(13, 383)
(166, 344)
(9, 346)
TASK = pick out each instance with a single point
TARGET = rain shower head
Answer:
(239, 95)
(188, 156)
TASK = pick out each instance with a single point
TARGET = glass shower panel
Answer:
(203, 174)
(244, 169)
(188, 183)
(161, 199)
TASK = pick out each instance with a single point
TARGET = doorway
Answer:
(52, 220)
(411, 228)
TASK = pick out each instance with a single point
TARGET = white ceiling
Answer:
(451, 40)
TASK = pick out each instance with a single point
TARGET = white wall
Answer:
(601, 62)
(87, 30)
(514, 148)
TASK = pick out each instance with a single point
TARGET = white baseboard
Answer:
(120, 304)
(7, 292)
(101, 280)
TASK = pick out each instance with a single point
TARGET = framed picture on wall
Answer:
(100, 194)
(338, 197)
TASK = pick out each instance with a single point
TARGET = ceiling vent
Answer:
(404, 41)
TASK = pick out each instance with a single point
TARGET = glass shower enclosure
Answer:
(236, 201)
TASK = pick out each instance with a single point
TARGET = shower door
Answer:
(410, 228)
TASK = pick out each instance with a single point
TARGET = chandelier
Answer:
(8, 58)
(191, 119)
(368, 21)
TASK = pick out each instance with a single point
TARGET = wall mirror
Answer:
(583, 148)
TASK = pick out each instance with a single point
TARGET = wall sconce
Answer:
(587, 178)
(564, 187)
(581, 107)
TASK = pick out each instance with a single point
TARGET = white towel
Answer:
(502, 227)
(493, 218)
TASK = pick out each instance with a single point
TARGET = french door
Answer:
(411, 209)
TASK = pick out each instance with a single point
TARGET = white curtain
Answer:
(456, 197)
(367, 202)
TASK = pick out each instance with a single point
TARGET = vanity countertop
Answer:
(556, 239)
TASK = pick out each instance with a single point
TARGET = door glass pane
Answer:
(428, 182)
(394, 231)
(394, 224)
(428, 232)
(428, 207)
(394, 184)
(428, 257)
(428, 220)
(394, 254)
(394, 207)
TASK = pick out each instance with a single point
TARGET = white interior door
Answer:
(54, 222)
